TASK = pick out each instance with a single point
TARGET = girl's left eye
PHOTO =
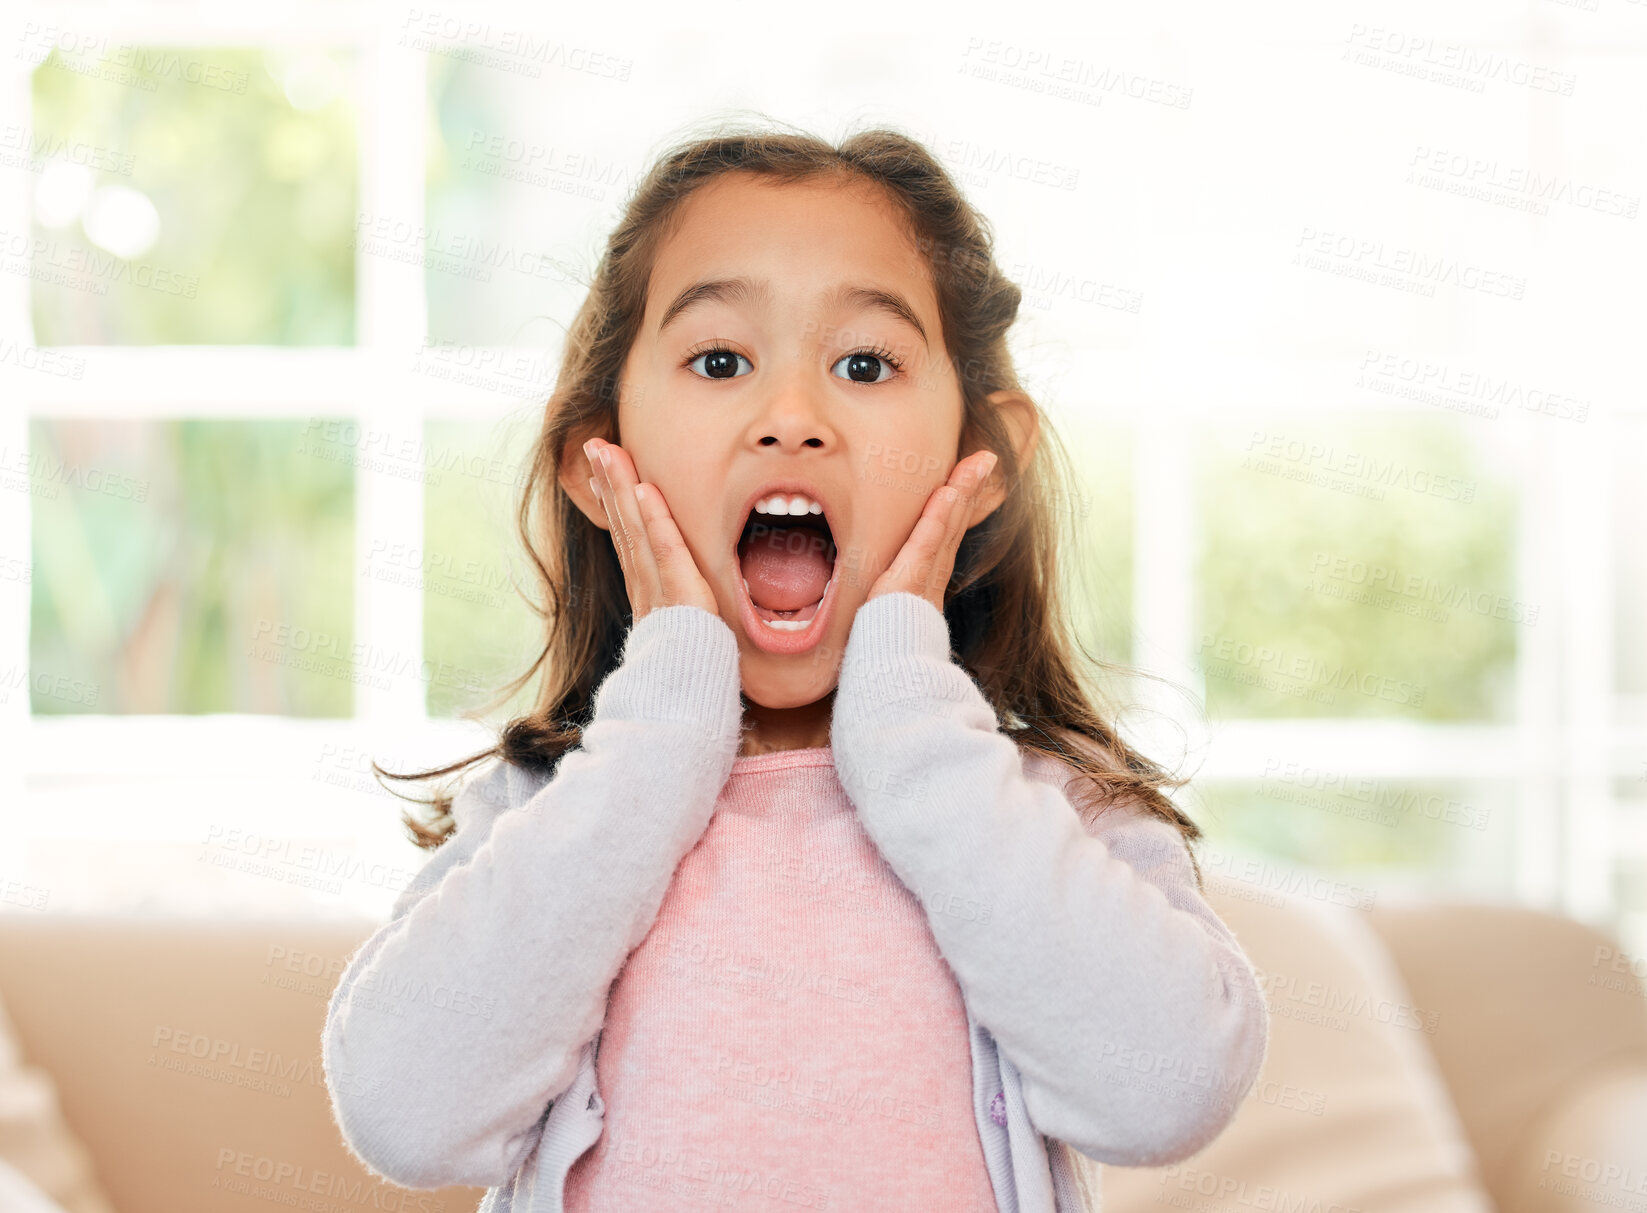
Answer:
(871, 363)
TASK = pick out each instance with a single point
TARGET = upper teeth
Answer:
(779, 504)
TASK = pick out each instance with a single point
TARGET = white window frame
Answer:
(1572, 737)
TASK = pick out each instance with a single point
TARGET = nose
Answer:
(793, 414)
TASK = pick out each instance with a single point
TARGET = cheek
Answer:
(695, 510)
(913, 454)
(685, 502)
(889, 512)
(688, 466)
(896, 476)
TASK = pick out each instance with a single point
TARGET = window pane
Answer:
(476, 627)
(1630, 888)
(194, 196)
(1630, 562)
(1099, 573)
(1359, 567)
(189, 566)
(1374, 834)
(517, 196)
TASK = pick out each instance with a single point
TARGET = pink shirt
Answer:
(788, 1033)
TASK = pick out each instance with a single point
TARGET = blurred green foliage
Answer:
(256, 197)
(1352, 567)
(520, 202)
(1450, 829)
(1097, 572)
(189, 566)
(473, 617)
(462, 101)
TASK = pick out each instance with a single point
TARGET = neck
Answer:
(767, 730)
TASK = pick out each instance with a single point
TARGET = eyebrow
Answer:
(759, 291)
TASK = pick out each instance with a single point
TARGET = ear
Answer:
(1023, 424)
(574, 472)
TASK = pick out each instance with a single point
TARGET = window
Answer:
(1361, 456)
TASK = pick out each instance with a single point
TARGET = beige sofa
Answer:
(1423, 1057)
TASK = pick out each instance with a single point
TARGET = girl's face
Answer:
(791, 340)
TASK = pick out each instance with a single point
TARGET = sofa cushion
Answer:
(36, 1144)
(1566, 1012)
(1349, 1111)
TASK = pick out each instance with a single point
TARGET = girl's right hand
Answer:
(658, 569)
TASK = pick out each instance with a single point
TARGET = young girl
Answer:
(813, 879)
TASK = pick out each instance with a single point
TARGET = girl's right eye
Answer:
(720, 363)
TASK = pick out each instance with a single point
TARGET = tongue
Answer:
(786, 567)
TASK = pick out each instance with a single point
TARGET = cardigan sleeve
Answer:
(1128, 1007)
(458, 1022)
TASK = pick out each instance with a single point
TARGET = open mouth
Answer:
(787, 564)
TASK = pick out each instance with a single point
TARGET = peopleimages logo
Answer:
(75, 267)
(1383, 802)
(297, 1184)
(1408, 269)
(1243, 661)
(1605, 1172)
(1488, 180)
(1463, 389)
(1349, 470)
(1044, 69)
(1229, 1188)
(1387, 580)
(1452, 63)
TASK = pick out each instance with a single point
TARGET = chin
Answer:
(777, 682)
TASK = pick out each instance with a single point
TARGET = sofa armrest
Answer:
(1589, 1151)
(1537, 1027)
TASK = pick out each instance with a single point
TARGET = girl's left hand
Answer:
(927, 560)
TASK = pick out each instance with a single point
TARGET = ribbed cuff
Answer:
(898, 650)
(679, 662)
(901, 621)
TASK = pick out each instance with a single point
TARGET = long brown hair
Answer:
(1007, 622)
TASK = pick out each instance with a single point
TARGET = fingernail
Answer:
(589, 449)
(606, 456)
